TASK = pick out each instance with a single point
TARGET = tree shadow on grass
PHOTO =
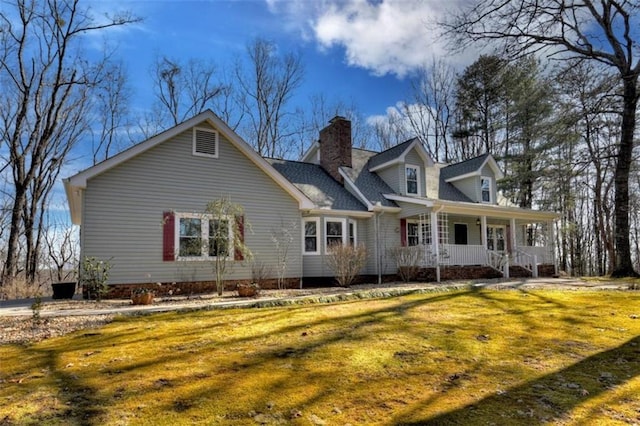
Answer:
(296, 341)
(549, 398)
(83, 408)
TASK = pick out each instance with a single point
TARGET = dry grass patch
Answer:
(502, 357)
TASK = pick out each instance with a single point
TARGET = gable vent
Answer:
(205, 142)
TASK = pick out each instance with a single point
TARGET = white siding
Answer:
(123, 210)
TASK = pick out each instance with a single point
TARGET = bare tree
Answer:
(62, 252)
(433, 94)
(46, 88)
(267, 85)
(390, 130)
(282, 238)
(111, 113)
(604, 31)
(182, 90)
(225, 242)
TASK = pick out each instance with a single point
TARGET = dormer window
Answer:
(485, 189)
(412, 180)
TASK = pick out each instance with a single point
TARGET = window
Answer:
(415, 237)
(311, 228)
(496, 238)
(205, 142)
(201, 237)
(352, 233)
(219, 237)
(334, 232)
(413, 178)
(190, 237)
(485, 188)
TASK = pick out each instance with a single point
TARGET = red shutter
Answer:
(238, 255)
(403, 232)
(168, 236)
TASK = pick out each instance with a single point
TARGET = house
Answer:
(138, 208)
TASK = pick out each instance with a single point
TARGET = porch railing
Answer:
(499, 262)
(543, 254)
(527, 261)
(461, 255)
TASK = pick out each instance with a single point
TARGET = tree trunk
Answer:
(11, 261)
(623, 264)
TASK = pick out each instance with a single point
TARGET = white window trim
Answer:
(421, 240)
(316, 220)
(355, 231)
(406, 186)
(495, 237)
(345, 232)
(193, 142)
(204, 235)
(488, 178)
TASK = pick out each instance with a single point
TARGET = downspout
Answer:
(376, 217)
(436, 241)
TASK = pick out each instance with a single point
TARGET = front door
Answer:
(460, 233)
(495, 238)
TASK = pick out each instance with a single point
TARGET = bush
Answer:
(407, 261)
(93, 277)
(346, 261)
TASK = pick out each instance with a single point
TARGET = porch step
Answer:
(516, 271)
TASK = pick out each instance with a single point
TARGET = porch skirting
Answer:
(447, 273)
(187, 288)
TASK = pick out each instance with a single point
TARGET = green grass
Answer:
(463, 357)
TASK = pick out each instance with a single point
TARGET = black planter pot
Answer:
(63, 290)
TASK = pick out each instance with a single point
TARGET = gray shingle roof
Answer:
(370, 184)
(448, 192)
(317, 185)
(462, 168)
(389, 154)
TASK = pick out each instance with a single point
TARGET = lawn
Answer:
(464, 357)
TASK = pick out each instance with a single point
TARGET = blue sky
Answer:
(353, 50)
(360, 52)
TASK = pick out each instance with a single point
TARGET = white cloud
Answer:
(383, 36)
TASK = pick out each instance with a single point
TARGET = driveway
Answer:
(79, 307)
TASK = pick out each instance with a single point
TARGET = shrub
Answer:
(93, 277)
(346, 260)
(407, 261)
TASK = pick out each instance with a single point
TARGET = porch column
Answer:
(483, 231)
(435, 242)
(551, 234)
(512, 234)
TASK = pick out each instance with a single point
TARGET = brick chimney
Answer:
(335, 146)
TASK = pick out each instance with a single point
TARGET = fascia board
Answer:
(412, 200)
(339, 213)
(464, 176)
(479, 209)
(385, 165)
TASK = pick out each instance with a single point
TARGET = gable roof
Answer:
(323, 190)
(396, 154)
(470, 167)
(369, 184)
(447, 191)
(75, 184)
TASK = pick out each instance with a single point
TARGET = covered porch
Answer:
(504, 238)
